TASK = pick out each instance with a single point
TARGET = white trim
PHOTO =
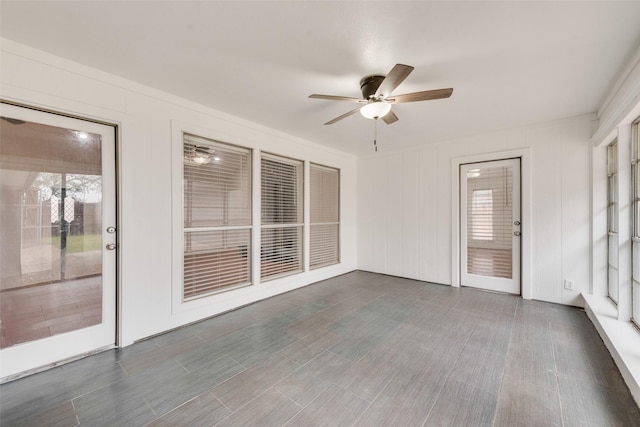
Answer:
(512, 284)
(621, 104)
(43, 57)
(621, 338)
(624, 222)
(616, 85)
(178, 129)
(525, 169)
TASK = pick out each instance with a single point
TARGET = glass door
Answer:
(490, 225)
(57, 250)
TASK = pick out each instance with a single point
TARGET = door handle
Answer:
(111, 246)
(516, 233)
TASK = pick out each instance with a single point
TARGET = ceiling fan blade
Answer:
(345, 115)
(421, 96)
(390, 117)
(396, 76)
(337, 98)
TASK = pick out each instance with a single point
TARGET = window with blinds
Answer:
(217, 216)
(490, 219)
(324, 239)
(282, 216)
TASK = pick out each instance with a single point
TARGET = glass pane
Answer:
(612, 215)
(325, 215)
(281, 252)
(216, 260)
(636, 214)
(281, 191)
(51, 256)
(323, 247)
(636, 303)
(612, 283)
(217, 183)
(612, 158)
(325, 194)
(636, 183)
(490, 213)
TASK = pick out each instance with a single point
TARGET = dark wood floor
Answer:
(360, 349)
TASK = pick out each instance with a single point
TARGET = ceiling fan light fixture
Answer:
(202, 159)
(196, 156)
(199, 159)
(375, 109)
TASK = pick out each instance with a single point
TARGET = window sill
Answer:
(621, 338)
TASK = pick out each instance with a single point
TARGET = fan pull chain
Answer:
(375, 134)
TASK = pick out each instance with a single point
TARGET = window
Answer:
(282, 216)
(612, 219)
(217, 216)
(324, 245)
(635, 247)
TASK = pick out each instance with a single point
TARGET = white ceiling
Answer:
(510, 63)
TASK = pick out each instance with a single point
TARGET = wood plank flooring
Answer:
(361, 349)
(33, 312)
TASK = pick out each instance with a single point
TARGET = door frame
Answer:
(118, 234)
(525, 215)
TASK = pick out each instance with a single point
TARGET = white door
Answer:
(490, 225)
(57, 246)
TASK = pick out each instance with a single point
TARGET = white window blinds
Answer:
(324, 244)
(282, 218)
(217, 216)
(490, 216)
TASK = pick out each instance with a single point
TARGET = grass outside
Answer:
(90, 242)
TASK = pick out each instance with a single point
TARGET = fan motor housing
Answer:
(369, 85)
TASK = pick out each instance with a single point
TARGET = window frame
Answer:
(282, 252)
(635, 222)
(612, 222)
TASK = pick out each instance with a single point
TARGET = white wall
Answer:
(148, 120)
(619, 109)
(405, 215)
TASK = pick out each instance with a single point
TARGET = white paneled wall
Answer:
(405, 217)
(148, 121)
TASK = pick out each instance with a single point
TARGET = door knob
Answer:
(516, 233)
(111, 246)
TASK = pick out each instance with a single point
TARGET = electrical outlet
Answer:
(568, 284)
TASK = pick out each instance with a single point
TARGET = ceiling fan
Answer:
(377, 99)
